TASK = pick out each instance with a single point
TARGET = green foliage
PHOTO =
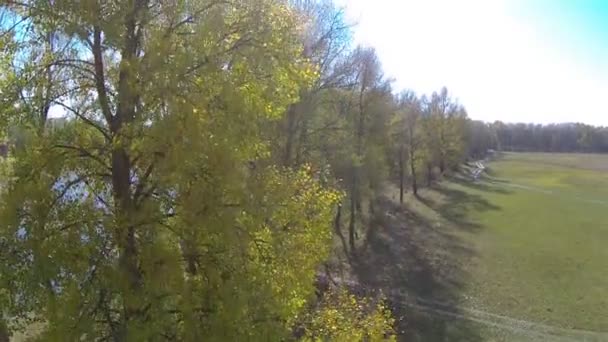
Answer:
(444, 124)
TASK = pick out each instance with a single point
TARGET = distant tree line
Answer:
(565, 137)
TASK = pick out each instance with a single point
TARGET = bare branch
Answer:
(14, 26)
(91, 123)
(73, 63)
(84, 153)
(190, 19)
(65, 190)
(142, 182)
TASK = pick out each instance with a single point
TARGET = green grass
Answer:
(527, 241)
(540, 238)
(543, 254)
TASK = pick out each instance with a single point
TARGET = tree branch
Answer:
(100, 82)
(142, 182)
(65, 190)
(91, 123)
(73, 63)
(190, 19)
(84, 153)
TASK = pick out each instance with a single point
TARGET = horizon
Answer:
(541, 62)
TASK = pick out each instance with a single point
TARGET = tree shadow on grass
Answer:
(422, 261)
(457, 206)
(481, 184)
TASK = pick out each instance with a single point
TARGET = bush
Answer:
(341, 316)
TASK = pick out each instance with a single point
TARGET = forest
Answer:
(210, 155)
(521, 137)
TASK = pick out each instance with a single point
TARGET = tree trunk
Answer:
(401, 175)
(290, 130)
(413, 170)
(302, 142)
(121, 163)
(46, 99)
(338, 228)
(337, 219)
(351, 224)
(355, 200)
(4, 335)
(412, 157)
(429, 174)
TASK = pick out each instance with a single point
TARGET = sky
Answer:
(541, 61)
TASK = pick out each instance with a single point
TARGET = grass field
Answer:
(543, 250)
(520, 254)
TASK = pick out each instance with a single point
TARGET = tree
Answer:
(370, 86)
(480, 137)
(430, 140)
(566, 137)
(325, 39)
(312, 129)
(414, 139)
(446, 121)
(408, 138)
(150, 214)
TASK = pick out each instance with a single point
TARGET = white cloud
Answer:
(489, 56)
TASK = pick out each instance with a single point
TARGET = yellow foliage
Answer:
(342, 317)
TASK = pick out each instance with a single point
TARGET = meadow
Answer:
(518, 254)
(542, 251)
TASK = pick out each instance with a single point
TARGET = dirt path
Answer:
(529, 329)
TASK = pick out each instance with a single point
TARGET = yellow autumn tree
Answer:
(148, 213)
